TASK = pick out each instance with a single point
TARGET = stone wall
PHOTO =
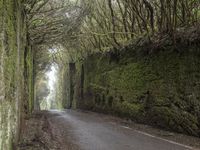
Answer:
(15, 72)
(68, 91)
(157, 86)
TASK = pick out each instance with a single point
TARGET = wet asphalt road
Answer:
(91, 131)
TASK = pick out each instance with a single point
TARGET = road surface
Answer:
(90, 131)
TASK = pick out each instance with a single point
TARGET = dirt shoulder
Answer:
(39, 134)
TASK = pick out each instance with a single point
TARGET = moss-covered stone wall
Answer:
(69, 80)
(15, 72)
(63, 87)
(160, 88)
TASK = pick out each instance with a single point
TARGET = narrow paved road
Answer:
(90, 131)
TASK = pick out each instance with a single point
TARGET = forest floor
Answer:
(82, 130)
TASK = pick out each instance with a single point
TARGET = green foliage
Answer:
(42, 89)
(114, 23)
(161, 89)
(175, 119)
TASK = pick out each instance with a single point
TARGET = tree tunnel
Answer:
(136, 59)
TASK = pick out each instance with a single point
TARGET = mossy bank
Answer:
(156, 83)
(16, 77)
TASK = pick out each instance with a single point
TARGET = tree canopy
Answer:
(82, 27)
(104, 23)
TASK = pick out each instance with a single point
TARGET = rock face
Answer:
(15, 72)
(149, 83)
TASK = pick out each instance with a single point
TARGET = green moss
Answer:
(125, 109)
(176, 119)
(12, 69)
(165, 84)
(29, 61)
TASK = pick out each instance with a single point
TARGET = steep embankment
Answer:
(15, 72)
(155, 82)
